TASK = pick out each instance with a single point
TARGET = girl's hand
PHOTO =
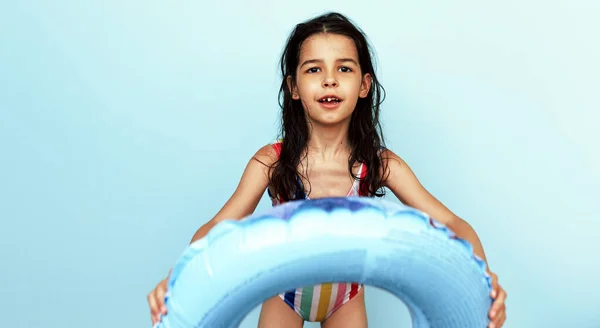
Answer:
(498, 310)
(156, 300)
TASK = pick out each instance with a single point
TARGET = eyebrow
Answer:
(317, 61)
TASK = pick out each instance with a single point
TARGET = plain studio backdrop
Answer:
(125, 125)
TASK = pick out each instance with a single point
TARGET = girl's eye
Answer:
(316, 69)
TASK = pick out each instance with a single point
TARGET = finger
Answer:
(153, 308)
(499, 321)
(160, 296)
(498, 303)
(158, 301)
(497, 307)
(495, 285)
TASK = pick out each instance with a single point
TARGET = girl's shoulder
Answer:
(276, 145)
(269, 153)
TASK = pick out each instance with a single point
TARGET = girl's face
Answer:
(328, 79)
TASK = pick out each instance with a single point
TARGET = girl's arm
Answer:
(242, 202)
(248, 193)
(404, 184)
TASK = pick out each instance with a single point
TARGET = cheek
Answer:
(357, 84)
(308, 87)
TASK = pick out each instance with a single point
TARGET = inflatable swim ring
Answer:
(220, 278)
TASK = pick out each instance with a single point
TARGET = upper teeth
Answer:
(329, 99)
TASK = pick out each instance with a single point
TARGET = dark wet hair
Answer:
(365, 135)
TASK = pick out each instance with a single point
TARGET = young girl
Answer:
(331, 146)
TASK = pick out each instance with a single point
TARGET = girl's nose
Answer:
(330, 82)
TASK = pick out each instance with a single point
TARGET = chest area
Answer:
(329, 179)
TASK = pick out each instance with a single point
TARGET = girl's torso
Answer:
(318, 302)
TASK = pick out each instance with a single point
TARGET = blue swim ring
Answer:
(220, 278)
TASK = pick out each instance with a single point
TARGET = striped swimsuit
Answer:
(317, 303)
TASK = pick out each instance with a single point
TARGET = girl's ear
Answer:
(365, 86)
(293, 88)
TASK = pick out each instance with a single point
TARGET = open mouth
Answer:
(330, 100)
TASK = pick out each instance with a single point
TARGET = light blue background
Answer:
(124, 126)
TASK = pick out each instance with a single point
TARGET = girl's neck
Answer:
(328, 142)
